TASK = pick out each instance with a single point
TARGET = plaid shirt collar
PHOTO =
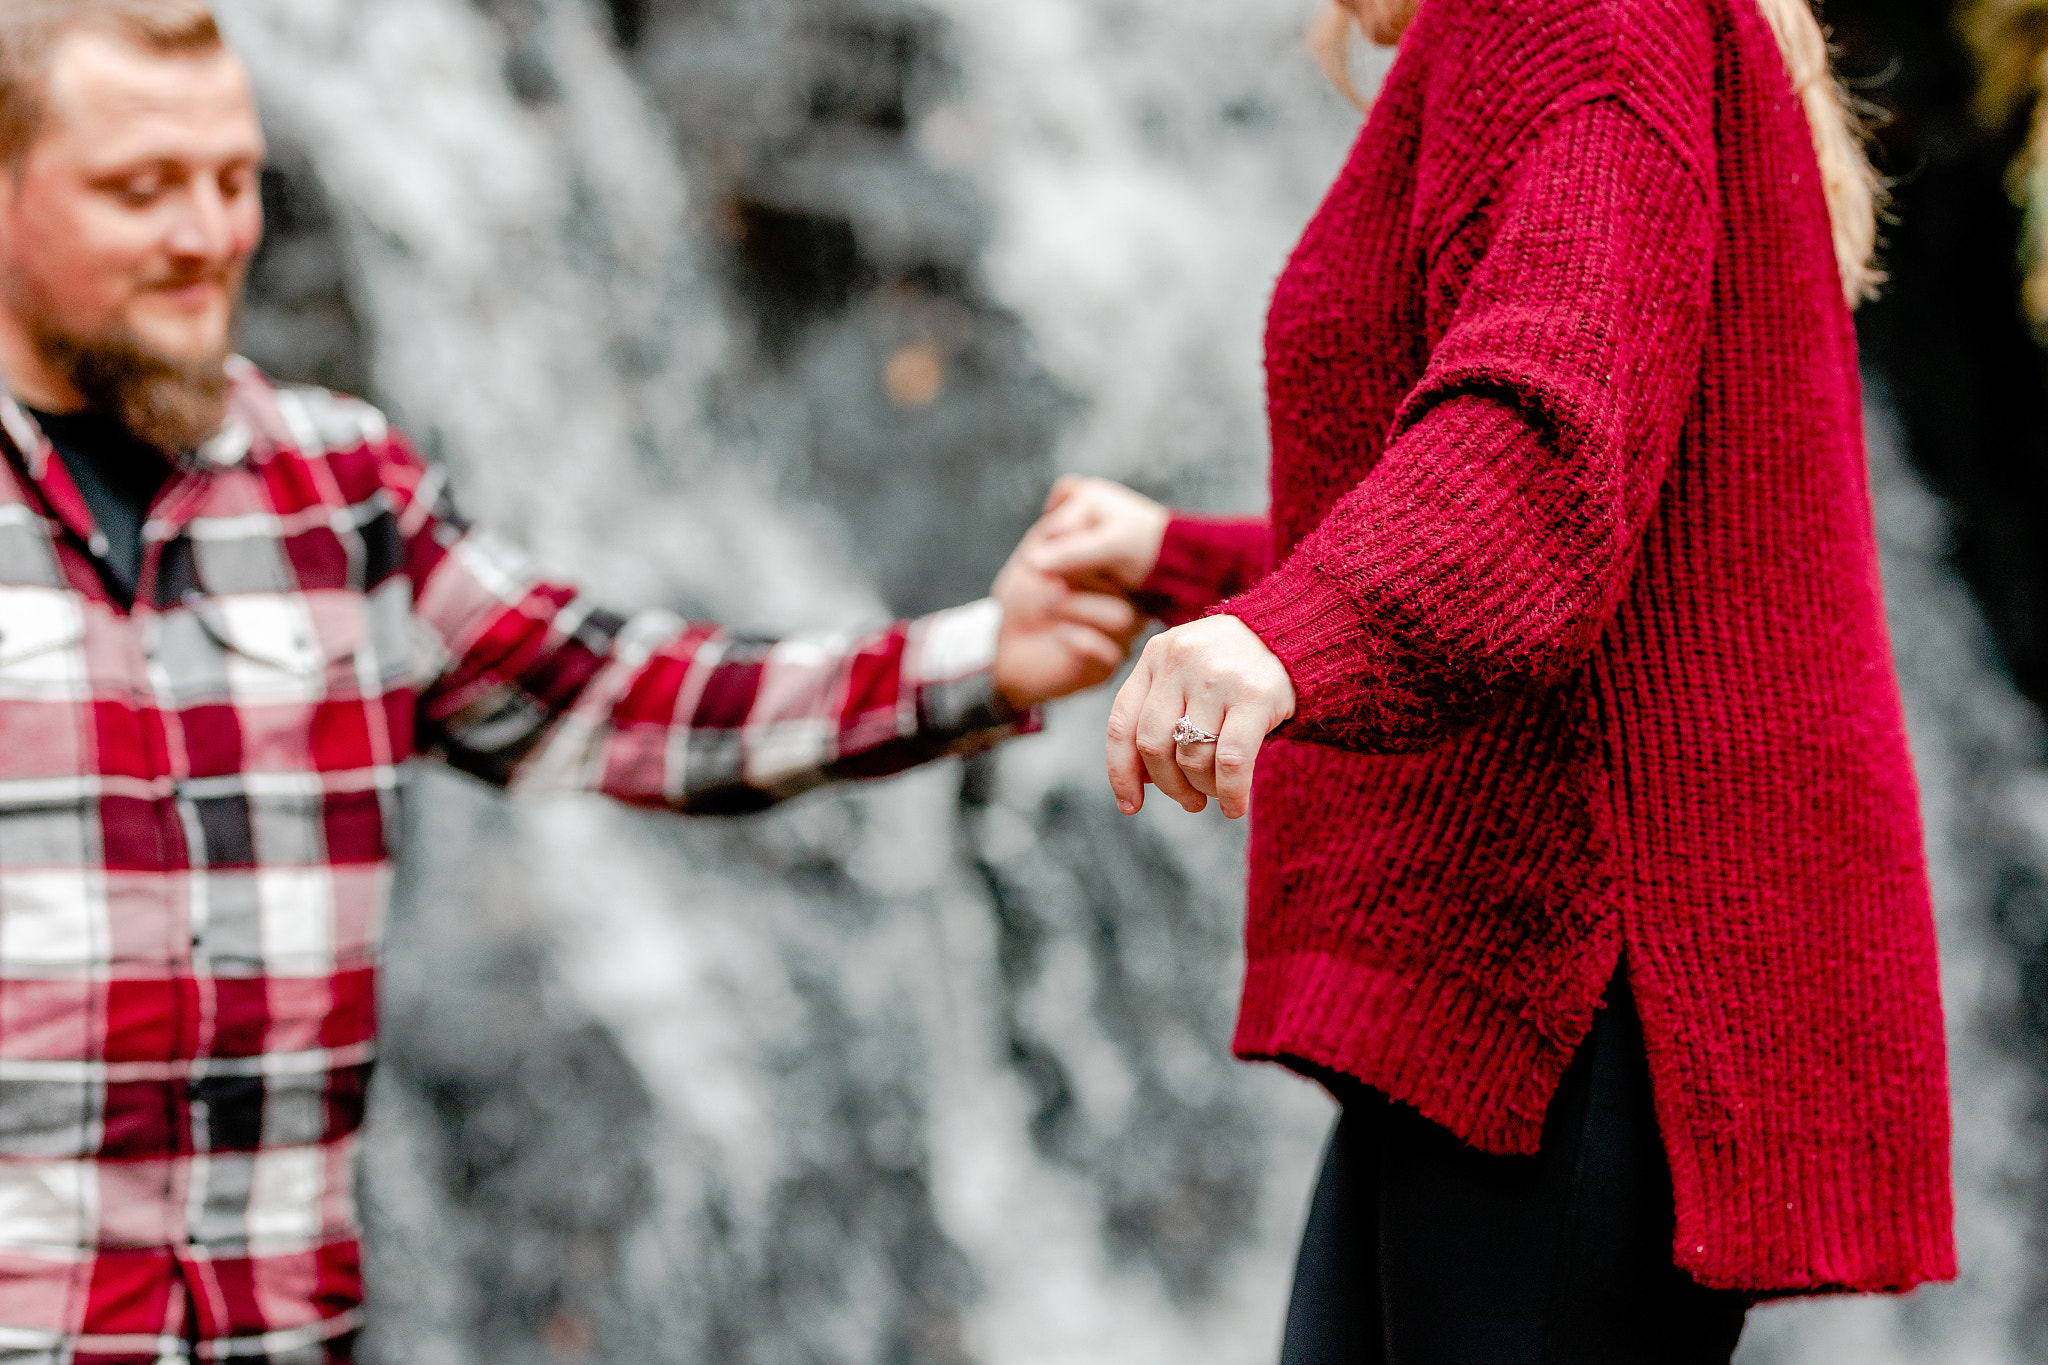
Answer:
(253, 427)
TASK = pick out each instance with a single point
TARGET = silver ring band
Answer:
(1186, 731)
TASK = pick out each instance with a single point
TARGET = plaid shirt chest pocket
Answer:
(282, 701)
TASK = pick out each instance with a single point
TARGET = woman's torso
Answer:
(1721, 791)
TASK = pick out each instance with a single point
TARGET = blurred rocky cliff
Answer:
(786, 312)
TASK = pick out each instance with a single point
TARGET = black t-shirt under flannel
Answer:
(119, 478)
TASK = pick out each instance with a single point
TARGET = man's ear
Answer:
(10, 195)
(11, 186)
(13, 179)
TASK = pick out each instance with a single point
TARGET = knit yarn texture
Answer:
(1578, 587)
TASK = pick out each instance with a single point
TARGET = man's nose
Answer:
(205, 228)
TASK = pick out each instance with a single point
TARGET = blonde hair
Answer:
(30, 30)
(1855, 192)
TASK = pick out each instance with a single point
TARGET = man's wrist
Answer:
(956, 674)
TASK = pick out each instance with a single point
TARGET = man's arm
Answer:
(528, 685)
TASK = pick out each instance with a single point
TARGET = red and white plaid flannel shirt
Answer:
(196, 811)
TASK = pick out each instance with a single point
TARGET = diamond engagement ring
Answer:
(1186, 731)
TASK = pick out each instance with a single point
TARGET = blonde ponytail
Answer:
(1329, 42)
(1853, 188)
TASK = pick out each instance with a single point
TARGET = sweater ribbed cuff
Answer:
(1315, 630)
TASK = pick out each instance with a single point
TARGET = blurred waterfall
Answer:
(929, 1072)
(786, 311)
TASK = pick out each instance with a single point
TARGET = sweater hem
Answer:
(1748, 1219)
(1392, 1032)
(1783, 1222)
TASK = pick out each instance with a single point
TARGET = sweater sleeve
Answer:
(1202, 561)
(1488, 548)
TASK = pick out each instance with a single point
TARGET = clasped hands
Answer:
(1069, 622)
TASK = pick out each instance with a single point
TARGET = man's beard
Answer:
(173, 403)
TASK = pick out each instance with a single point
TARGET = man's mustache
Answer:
(229, 277)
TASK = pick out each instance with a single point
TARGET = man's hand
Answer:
(1097, 535)
(1219, 675)
(1054, 640)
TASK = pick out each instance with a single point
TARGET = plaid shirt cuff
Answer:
(958, 707)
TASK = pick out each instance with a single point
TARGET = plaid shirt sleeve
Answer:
(527, 684)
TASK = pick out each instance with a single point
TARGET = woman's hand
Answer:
(1097, 535)
(1224, 680)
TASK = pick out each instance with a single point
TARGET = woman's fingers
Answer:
(1070, 517)
(1097, 531)
(1064, 487)
(1198, 761)
(1223, 678)
(1235, 755)
(1064, 550)
(1164, 705)
(1073, 504)
(1073, 542)
(1126, 766)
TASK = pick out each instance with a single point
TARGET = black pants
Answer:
(1423, 1251)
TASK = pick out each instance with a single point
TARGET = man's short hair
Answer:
(29, 33)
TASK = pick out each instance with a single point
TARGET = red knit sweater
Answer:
(1579, 592)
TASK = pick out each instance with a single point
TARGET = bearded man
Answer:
(229, 611)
